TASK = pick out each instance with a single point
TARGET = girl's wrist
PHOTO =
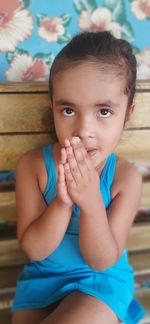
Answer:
(62, 204)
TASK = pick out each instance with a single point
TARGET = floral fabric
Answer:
(32, 32)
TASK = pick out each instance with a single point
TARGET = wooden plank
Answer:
(140, 117)
(145, 199)
(140, 260)
(139, 238)
(143, 296)
(141, 85)
(38, 86)
(17, 145)
(7, 206)
(134, 146)
(9, 276)
(29, 113)
(11, 254)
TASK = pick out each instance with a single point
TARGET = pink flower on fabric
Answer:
(25, 68)
(141, 8)
(51, 28)
(98, 20)
(15, 24)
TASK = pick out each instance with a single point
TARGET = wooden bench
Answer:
(26, 122)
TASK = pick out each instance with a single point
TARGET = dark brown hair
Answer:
(99, 47)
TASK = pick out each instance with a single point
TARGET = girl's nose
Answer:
(84, 130)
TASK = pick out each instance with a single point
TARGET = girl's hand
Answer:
(81, 177)
(63, 195)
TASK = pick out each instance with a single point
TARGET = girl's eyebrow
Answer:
(108, 102)
(64, 102)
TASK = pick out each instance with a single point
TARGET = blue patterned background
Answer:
(32, 32)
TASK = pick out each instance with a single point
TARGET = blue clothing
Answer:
(43, 282)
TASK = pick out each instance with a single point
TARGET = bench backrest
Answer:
(26, 122)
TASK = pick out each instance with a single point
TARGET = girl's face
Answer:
(91, 103)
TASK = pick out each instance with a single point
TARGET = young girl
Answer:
(76, 200)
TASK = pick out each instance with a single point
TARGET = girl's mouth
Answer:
(91, 152)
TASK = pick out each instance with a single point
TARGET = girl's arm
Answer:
(103, 234)
(40, 227)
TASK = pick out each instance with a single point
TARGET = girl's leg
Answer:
(80, 308)
(33, 316)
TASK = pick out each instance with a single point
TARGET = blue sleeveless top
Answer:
(44, 282)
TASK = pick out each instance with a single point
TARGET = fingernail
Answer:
(75, 140)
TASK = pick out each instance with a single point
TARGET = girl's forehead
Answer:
(92, 76)
(92, 69)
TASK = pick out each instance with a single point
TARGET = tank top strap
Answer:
(50, 168)
(109, 170)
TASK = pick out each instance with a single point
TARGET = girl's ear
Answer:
(129, 114)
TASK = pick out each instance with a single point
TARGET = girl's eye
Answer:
(67, 111)
(104, 113)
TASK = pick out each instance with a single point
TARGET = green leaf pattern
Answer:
(81, 5)
(25, 3)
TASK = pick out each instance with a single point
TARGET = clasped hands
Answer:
(78, 180)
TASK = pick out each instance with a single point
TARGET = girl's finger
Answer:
(81, 157)
(73, 165)
(67, 142)
(68, 176)
(63, 156)
(61, 175)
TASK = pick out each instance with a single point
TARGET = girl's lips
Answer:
(91, 152)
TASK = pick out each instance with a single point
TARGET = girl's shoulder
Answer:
(35, 159)
(126, 174)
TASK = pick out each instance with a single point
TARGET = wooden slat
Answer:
(9, 276)
(17, 145)
(7, 206)
(7, 87)
(145, 199)
(11, 254)
(139, 238)
(29, 113)
(140, 117)
(142, 85)
(134, 146)
(140, 260)
(143, 296)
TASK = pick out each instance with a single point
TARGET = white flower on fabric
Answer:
(51, 29)
(141, 8)
(143, 64)
(84, 21)
(98, 20)
(15, 24)
(26, 68)
(116, 29)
